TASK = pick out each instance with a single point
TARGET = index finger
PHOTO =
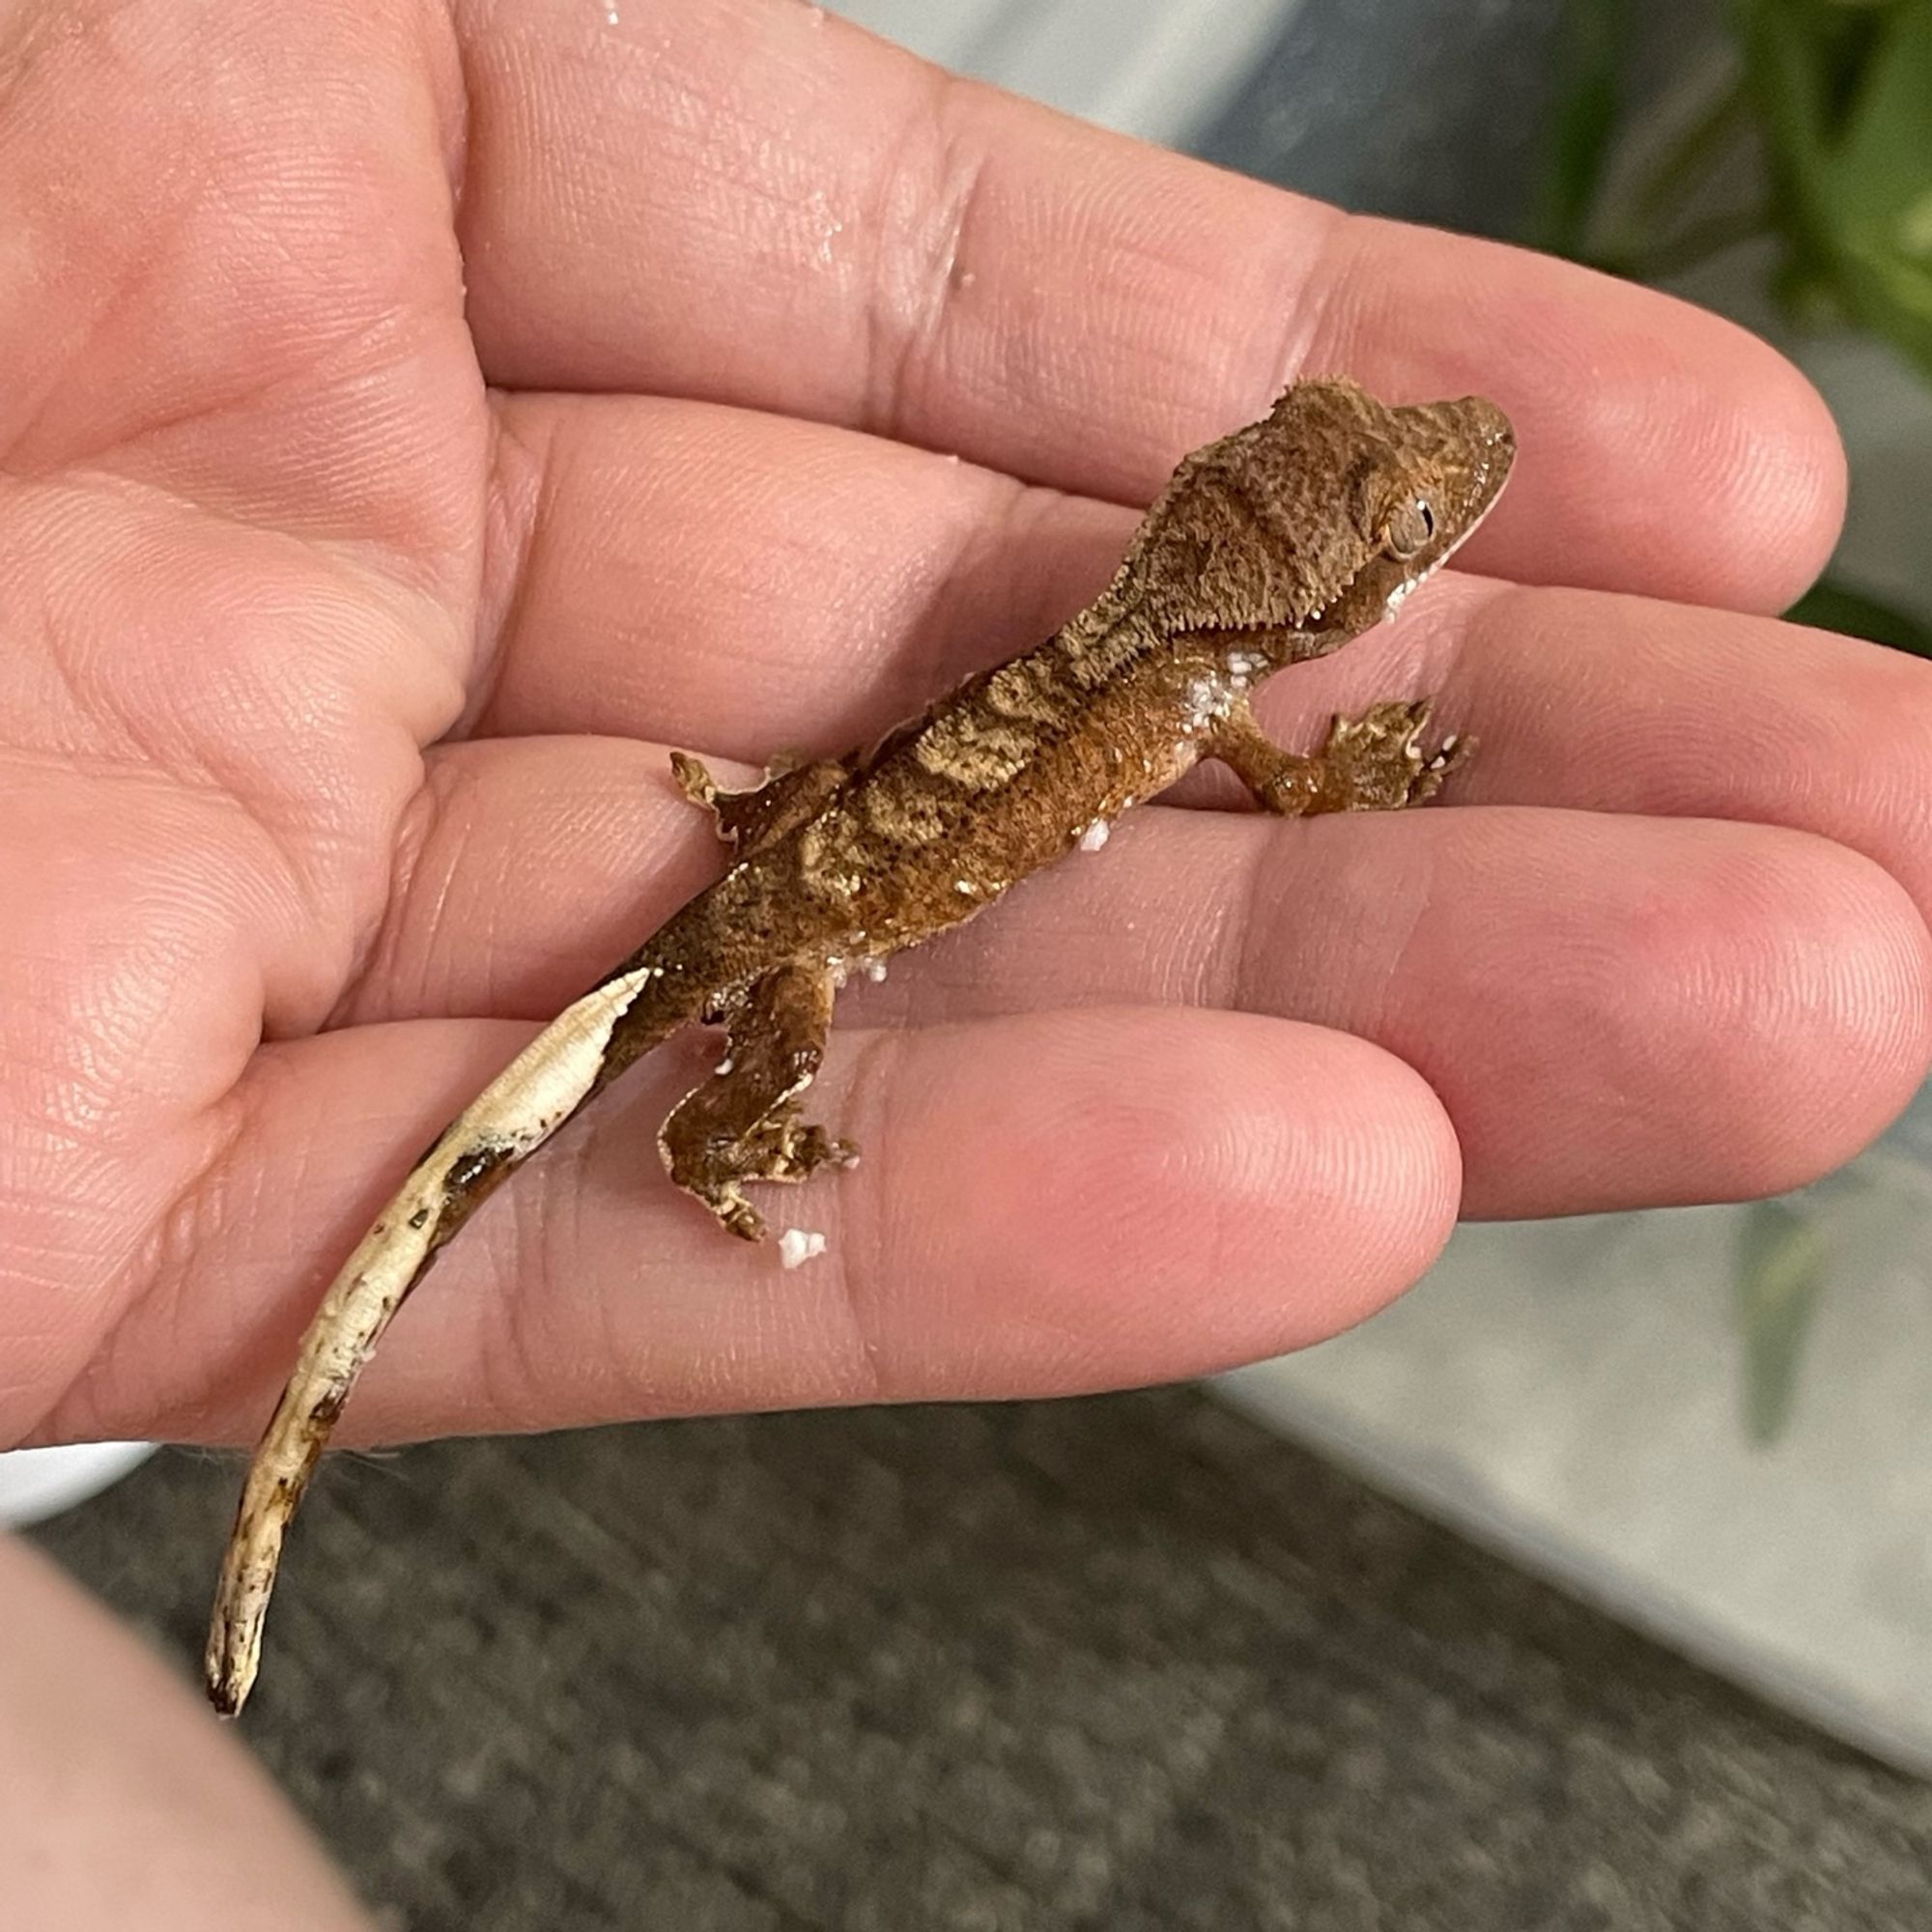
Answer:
(748, 201)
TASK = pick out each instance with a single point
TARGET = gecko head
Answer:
(1323, 516)
(1426, 475)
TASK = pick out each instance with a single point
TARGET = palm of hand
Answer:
(336, 686)
(249, 455)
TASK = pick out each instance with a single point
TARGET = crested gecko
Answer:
(1275, 545)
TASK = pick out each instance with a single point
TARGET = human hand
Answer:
(124, 1805)
(348, 614)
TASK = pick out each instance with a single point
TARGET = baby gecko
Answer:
(1275, 545)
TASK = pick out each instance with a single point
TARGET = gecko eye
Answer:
(1410, 528)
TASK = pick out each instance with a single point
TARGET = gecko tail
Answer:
(562, 1068)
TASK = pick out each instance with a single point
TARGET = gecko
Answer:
(1275, 545)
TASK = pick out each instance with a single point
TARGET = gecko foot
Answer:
(1376, 763)
(743, 1124)
(1372, 763)
(781, 1147)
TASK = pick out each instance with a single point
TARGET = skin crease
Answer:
(261, 942)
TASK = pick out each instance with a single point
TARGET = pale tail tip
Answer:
(226, 1693)
(228, 1672)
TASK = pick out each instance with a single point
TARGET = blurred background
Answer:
(1288, 1654)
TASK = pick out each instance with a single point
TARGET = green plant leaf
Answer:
(1845, 93)
(1781, 1273)
(1831, 606)
(1589, 103)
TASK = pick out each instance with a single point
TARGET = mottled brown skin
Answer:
(1277, 544)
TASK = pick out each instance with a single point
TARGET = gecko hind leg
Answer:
(792, 790)
(743, 1124)
(1372, 763)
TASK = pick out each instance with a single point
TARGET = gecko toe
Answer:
(737, 1216)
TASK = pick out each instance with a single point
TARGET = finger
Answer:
(740, 583)
(751, 203)
(1615, 1012)
(1609, 703)
(1152, 1195)
(125, 1805)
(1697, 1009)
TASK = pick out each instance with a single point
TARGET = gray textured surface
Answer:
(1129, 1663)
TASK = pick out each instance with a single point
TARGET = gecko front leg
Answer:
(1372, 763)
(743, 1124)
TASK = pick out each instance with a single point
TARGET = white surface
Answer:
(1153, 68)
(1570, 1393)
(38, 1483)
